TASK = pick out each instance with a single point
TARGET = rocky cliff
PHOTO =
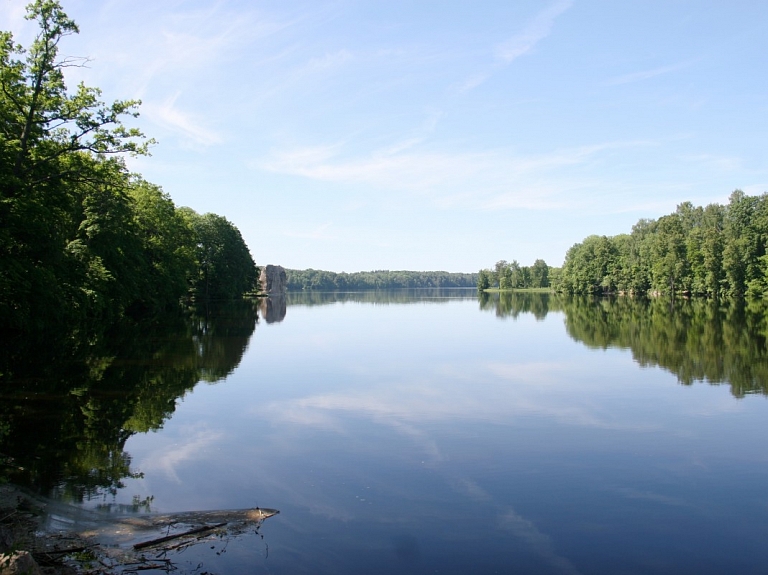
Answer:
(273, 280)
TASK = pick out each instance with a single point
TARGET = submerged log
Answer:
(190, 517)
(167, 538)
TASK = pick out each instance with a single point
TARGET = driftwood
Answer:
(159, 540)
(120, 540)
(144, 522)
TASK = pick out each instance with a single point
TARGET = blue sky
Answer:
(358, 135)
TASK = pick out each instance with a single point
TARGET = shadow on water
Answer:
(719, 342)
(65, 415)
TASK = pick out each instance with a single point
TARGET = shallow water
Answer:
(431, 432)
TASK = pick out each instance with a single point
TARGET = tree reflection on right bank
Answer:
(697, 340)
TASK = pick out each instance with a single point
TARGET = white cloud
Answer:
(486, 180)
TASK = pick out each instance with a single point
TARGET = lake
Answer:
(425, 431)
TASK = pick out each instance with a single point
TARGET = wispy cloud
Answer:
(329, 60)
(521, 43)
(491, 179)
(645, 74)
(191, 128)
(725, 163)
(536, 30)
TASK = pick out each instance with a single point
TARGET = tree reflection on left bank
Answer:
(67, 408)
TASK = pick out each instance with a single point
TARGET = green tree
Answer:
(539, 274)
(483, 280)
(168, 246)
(58, 164)
(225, 268)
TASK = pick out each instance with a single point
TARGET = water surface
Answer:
(429, 431)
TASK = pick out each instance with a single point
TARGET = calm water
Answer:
(430, 432)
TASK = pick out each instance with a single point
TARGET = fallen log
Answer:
(139, 522)
(152, 542)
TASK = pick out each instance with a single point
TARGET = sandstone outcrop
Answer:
(273, 280)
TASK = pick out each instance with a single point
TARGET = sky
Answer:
(352, 135)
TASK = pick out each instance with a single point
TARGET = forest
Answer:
(84, 242)
(708, 251)
(381, 279)
(712, 251)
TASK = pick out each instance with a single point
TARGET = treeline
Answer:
(506, 275)
(83, 242)
(381, 279)
(703, 251)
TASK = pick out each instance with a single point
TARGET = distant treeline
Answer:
(381, 279)
(712, 251)
(83, 242)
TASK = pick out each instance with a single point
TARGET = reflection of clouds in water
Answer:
(168, 458)
(304, 413)
(494, 393)
(471, 489)
(534, 373)
(538, 542)
(420, 438)
(631, 493)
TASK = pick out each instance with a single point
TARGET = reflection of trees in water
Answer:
(65, 421)
(512, 304)
(697, 340)
(381, 297)
(220, 335)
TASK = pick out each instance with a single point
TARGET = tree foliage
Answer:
(380, 279)
(225, 268)
(82, 241)
(510, 276)
(708, 251)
